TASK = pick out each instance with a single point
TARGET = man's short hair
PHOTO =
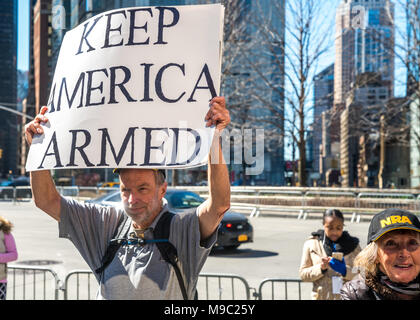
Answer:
(160, 174)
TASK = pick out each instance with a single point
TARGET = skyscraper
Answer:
(273, 51)
(253, 80)
(413, 42)
(413, 87)
(42, 32)
(30, 99)
(364, 43)
(8, 86)
(323, 101)
(363, 83)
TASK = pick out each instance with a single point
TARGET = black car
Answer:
(234, 229)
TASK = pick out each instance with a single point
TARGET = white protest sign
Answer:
(131, 89)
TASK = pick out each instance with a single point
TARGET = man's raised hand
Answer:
(218, 114)
(34, 127)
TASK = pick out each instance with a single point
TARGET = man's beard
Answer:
(146, 216)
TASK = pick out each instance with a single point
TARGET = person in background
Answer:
(390, 263)
(8, 253)
(327, 258)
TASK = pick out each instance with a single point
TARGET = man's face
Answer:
(141, 196)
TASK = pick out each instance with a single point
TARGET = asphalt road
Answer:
(275, 252)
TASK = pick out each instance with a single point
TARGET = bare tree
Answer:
(268, 79)
(307, 41)
(386, 125)
(406, 51)
(237, 77)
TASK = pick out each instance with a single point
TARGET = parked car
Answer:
(112, 199)
(234, 229)
(6, 188)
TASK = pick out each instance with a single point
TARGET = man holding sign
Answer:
(152, 71)
(137, 271)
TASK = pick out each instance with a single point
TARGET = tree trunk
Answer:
(382, 153)
(302, 164)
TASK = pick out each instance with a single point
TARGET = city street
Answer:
(311, 105)
(275, 252)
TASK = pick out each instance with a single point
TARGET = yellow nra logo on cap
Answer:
(394, 219)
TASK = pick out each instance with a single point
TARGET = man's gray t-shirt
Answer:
(137, 272)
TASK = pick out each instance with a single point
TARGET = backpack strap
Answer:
(120, 232)
(167, 249)
(161, 239)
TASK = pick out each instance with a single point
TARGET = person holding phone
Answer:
(327, 257)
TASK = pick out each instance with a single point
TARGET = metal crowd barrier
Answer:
(42, 283)
(352, 204)
(383, 201)
(83, 287)
(300, 203)
(225, 287)
(279, 289)
(15, 193)
(32, 283)
(81, 284)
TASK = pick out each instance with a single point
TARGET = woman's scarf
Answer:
(345, 244)
(389, 290)
(412, 288)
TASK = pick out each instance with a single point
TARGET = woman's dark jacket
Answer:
(357, 289)
(369, 288)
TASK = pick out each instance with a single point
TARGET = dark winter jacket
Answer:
(357, 289)
(368, 288)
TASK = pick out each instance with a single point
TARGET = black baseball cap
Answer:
(392, 219)
(161, 171)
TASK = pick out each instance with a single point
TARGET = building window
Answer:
(374, 17)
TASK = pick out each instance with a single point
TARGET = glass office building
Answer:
(8, 87)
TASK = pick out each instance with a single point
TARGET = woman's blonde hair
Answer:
(366, 260)
(5, 225)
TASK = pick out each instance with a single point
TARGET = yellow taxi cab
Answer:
(110, 185)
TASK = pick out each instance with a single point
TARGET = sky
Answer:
(23, 47)
(23, 35)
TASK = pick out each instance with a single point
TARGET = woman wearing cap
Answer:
(328, 256)
(390, 264)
